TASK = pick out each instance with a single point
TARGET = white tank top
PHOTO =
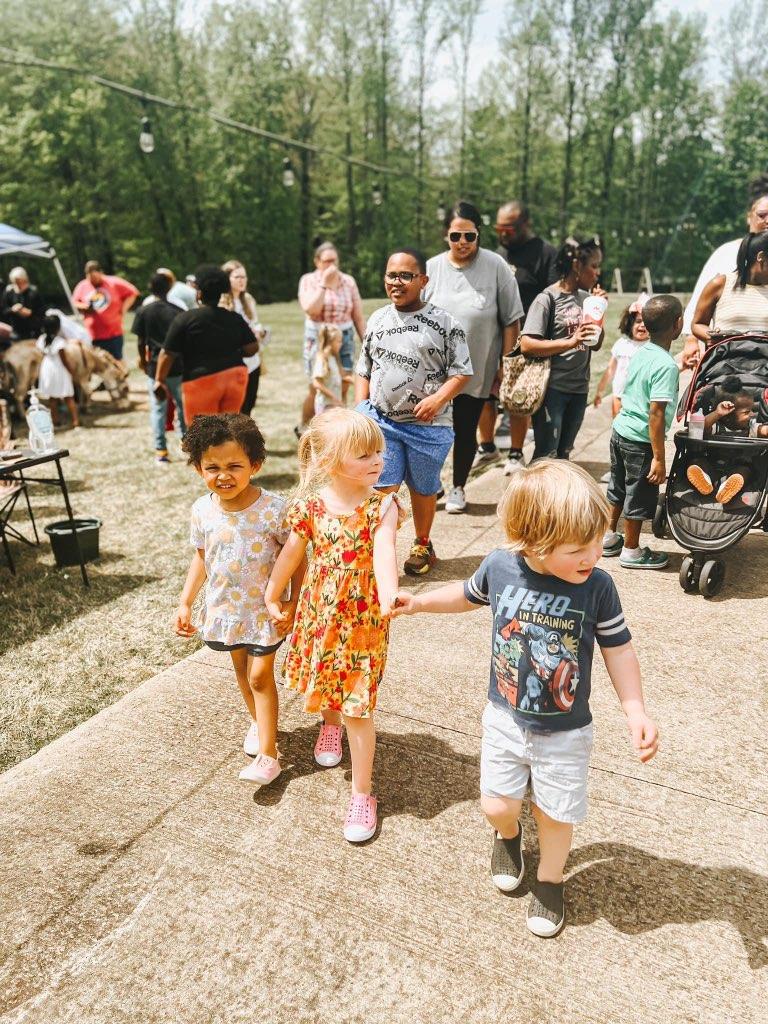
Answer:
(741, 309)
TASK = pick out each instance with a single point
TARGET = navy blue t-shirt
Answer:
(543, 637)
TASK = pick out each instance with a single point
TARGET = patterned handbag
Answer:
(523, 383)
(524, 378)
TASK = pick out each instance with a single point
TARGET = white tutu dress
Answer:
(54, 380)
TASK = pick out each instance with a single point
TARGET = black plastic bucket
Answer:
(64, 542)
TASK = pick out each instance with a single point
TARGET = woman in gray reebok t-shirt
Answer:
(478, 288)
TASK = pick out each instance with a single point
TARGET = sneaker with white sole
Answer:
(484, 457)
(646, 559)
(546, 911)
(263, 770)
(507, 864)
(455, 501)
(251, 741)
(328, 746)
(360, 823)
(514, 462)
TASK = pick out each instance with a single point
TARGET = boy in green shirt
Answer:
(637, 442)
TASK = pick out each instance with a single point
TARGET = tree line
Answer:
(602, 115)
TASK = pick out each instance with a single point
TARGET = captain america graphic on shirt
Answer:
(543, 635)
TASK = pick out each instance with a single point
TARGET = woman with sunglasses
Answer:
(477, 287)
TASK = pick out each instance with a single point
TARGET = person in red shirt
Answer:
(104, 299)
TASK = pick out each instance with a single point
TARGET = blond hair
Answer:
(330, 439)
(227, 300)
(552, 502)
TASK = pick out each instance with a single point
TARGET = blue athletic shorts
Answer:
(414, 452)
(346, 354)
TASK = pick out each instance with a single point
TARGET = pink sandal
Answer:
(328, 746)
(361, 818)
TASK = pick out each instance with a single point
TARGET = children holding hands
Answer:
(237, 531)
(339, 644)
(550, 604)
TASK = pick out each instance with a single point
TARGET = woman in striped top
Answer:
(738, 301)
(329, 297)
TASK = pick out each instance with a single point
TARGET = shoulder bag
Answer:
(524, 378)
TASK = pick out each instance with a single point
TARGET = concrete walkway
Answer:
(142, 882)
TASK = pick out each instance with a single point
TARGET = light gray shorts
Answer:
(555, 764)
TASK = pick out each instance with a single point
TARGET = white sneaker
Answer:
(455, 501)
(263, 770)
(482, 457)
(251, 741)
(514, 462)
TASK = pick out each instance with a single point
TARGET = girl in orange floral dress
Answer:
(339, 643)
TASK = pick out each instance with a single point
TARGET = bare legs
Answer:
(632, 528)
(554, 836)
(256, 679)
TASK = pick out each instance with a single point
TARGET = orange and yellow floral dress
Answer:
(339, 644)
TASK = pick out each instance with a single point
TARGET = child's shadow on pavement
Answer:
(414, 773)
(636, 891)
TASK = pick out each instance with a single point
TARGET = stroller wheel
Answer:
(688, 575)
(659, 525)
(711, 578)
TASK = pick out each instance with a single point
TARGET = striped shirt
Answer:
(543, 638)
(339, 303)
(741, 309)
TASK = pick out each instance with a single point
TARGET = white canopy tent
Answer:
(14, 241)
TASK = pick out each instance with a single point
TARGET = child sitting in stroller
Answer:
(734, 414)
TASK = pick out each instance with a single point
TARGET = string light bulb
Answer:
(440, 211)
(376, 195)
(146, 138)
(289, 178)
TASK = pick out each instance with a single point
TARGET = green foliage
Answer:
(599, 115)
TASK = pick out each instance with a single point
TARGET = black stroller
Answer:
(699, 523)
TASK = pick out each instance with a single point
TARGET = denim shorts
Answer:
(630, 488)
(414, 453)
(255, 650)
(346, 354)
(554, 763)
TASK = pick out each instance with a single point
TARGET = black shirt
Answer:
(23, 326)
(150, 325)
(533, 264)
(209, 340)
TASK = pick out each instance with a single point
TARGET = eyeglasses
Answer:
(400, 275)
(456, 236)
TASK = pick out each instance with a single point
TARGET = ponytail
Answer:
(573, 249)
(752, 244)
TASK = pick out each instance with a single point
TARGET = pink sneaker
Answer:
(361, 818)
(328, 746)
(264, 769)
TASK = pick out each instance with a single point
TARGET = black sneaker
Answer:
(507, 863)
(546, 911)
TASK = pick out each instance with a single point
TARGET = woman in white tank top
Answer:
(738, 301)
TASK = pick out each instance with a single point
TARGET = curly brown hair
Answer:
(209, 431)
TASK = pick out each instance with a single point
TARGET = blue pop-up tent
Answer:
(14, 241)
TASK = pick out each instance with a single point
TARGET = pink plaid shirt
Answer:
(338, 304)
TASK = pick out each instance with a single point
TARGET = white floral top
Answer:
(240, 549)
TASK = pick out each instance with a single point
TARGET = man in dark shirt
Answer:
(21, 306)
(211, 342)
(150, 325)
(533, 263)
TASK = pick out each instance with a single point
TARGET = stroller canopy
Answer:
(13, 241)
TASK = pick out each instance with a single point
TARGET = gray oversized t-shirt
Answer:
(569, 371)
(484, 297)
(407, 356)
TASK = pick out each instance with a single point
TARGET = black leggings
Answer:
(466, 416)
(251, 391)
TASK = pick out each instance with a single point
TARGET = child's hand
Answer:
(403, 603)
(658, 472)
(724, 409)
(645, 735)
(288, 612)
(597, 400)
(276, 611)
(183, 624)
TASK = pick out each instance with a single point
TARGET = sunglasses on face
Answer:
(456, 236)
(400, 275)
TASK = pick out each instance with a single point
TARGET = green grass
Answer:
(66, 651)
